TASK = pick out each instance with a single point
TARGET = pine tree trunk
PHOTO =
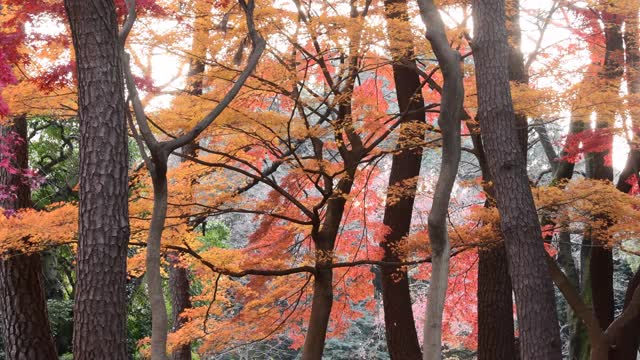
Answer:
(100, 302)
(496, 337)
(401, 336)
(538, 324)
(23, 308)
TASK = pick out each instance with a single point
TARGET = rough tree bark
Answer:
(449, 122)
(23, 308)
(538, 324)
(496, 337)
(100, 302)
(401, 335)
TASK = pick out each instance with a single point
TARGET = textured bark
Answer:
(451, 101)
(495, 308)
(496, 336)
(538, 324)
(100, 302)
(23, 308)
(401, 336)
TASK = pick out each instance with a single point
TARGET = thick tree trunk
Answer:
(452, 98)
(402, 339)
(496, 336)
(100, 302)
(23, 308)
(538, 324)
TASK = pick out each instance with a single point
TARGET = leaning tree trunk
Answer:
(449, 122)
(538, 324)
(496, 337)
(401, 336)
(100, 302)
(23, 307)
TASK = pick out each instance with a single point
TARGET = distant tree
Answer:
(24, 322)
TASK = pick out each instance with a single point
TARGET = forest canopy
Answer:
(319, 179)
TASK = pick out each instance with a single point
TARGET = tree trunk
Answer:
(402, 339)
(159, 315)
(320, 312)
(496, 340)
(627, 344)
(324, 241)
(178, 275)
(23, 308)
(100, 302)
(538, 324)
(496, 336)
(180, 301)
(601, 257)
(451, 101)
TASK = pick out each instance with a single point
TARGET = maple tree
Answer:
(327, 136)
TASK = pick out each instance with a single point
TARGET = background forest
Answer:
(309, 179)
